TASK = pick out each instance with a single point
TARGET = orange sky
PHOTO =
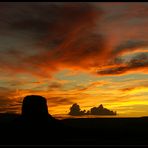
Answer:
(85, 53)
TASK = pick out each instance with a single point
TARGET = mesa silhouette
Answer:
(35, 112)
(35, 126)
(75, 110)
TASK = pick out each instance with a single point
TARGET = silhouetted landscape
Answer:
(36, 127)
(73, 73)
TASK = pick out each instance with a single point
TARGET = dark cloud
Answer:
(111, 71)
(59, 36)
(139, 62)
(100, 110)
(129, 12)
(43, 38)
(130, 45)
(75, 110)
(53, 22)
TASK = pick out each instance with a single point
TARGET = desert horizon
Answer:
(73, 73)
(86, 53)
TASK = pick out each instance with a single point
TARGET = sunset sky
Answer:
(85, 53)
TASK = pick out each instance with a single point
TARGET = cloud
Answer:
(92, 85)
(75, 110)
(55, 86)
(135, 89)
(8, 104)
(41, 39)
(60, 36)
(100, 110)
(49, 37)
(139, 62)
(129, 46)
(58, 101)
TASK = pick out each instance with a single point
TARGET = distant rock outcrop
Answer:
(100, 110)
(35, 115)
(35, 107)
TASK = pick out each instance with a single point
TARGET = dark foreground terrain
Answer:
(92, 131)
